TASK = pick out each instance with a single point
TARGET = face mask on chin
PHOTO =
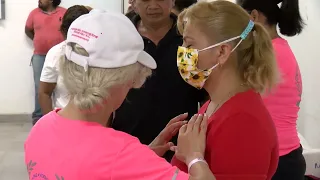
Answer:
(188, 58)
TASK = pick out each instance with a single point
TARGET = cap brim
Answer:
(147, 60)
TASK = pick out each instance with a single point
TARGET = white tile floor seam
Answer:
(12, 137)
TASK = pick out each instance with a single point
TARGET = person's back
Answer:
(62, 148)
(81, 142)
(283, 102)
(58, 96)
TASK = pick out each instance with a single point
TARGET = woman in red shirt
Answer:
(232, 58)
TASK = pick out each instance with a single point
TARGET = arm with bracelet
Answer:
(136, 161)
(191, 147)
(199, 170)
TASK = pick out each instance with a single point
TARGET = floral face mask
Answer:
(187, 60)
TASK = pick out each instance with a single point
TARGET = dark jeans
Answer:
(37, 65)
(291, 166)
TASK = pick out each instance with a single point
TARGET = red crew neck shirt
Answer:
(241, 140)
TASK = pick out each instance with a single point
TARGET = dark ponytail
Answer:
(287, 16)
(290, 21)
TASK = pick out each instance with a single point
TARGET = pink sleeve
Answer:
(29, 23)
(137, 161)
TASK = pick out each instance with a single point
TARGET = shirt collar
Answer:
(52, 12)
(136, 18)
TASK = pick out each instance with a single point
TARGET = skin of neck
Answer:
(272, 30)
(149, 26)
(221, 83)
(100, 115)
(50, 9)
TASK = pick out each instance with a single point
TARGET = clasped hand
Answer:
(191, 140)
(161, 144)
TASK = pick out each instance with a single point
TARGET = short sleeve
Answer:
(243, 148)
(50, 72)
(29, 23)
(137, 161)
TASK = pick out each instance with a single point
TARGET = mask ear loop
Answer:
(245, 33)
(223, 42)
(243, 36)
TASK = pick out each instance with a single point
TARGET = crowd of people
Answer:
(170, 90)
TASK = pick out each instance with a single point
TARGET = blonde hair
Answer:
(90, 88)
(224, 20)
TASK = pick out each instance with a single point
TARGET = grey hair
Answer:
(87, 89)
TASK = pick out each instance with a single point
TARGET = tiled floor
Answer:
(12, 136)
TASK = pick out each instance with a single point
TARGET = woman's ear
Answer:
(255, 15)
(224, 53)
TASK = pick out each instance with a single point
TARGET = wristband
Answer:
(196, 161)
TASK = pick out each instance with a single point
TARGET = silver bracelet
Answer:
(196, 161)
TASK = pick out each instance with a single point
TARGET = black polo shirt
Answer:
(146, 111)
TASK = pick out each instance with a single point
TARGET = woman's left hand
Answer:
(161, 144)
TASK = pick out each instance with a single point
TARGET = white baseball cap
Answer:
(111, 40)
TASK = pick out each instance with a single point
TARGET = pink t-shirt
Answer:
(59, 148)
(283, 102)
(46, 29)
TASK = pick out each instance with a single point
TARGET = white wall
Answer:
(16, 78)
(112, 5)
(306, 48)
(126, 5)
(16, 92)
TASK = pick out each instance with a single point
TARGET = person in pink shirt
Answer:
(102, 60)
(283, 102)
(43, 27)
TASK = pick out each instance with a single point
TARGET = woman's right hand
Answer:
(192, 139)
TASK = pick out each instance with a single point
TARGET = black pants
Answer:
(291, 166)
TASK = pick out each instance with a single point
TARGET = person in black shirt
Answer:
(130, 11)
(165, 94)
(180, 5)
(130, 14)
